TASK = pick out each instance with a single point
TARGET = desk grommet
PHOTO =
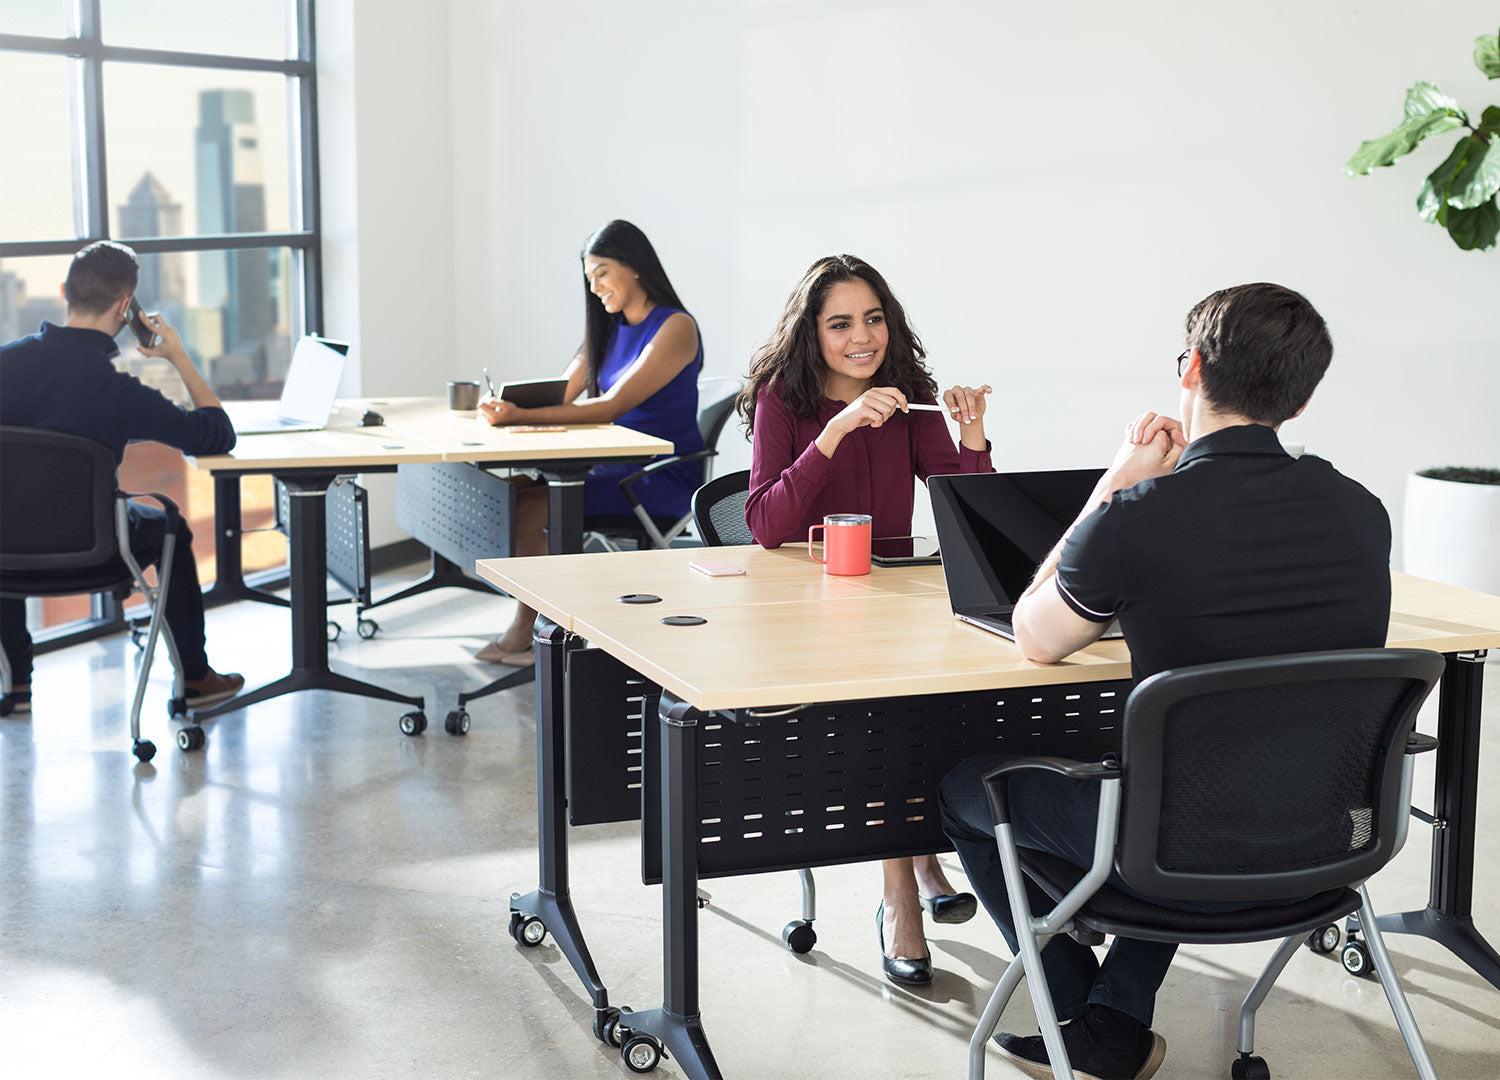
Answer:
(639, 598)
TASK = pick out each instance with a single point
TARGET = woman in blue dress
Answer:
(638, 367)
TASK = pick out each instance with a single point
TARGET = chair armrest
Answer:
(1417, 743)
(998, 778)
(173, 513)
(628, 482)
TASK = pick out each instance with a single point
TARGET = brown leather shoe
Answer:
(213, 688)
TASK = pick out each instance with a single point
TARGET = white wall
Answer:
(1047, 187)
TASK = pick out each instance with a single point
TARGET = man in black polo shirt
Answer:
(1209, 542)
(62, 380)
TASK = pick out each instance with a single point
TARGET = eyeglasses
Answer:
(1182, 361)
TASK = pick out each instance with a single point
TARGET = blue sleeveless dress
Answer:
(671, 413)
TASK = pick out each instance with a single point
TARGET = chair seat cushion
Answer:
(1111, 911)
(106, 577)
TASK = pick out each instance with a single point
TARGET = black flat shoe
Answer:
(899, 969)
(952, 908)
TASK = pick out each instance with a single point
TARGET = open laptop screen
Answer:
(996, 528)
(312, 381)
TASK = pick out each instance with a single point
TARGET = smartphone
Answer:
(904, 551)
(716, 567)
(143, 333)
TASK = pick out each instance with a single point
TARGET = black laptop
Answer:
(995, 529)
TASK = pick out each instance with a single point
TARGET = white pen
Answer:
(926, 407)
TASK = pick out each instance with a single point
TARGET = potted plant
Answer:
(1451, 525)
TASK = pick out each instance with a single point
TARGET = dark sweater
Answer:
(62, 380)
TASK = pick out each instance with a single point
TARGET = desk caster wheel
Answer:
(367, 628)
(144, 749)
(640, 1053)
(1248, 1067)
(332, 631)
(607, 1026)
(457, 722)
(190, 738)
(527, 929)
(1325, 939)
(799, 936)
(1356, 958)
(413, 723)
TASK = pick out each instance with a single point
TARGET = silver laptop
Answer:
(995, 529)
(307, 396)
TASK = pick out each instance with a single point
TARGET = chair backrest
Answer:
(719, 510)
(1268, 778)
(714, 416)
(56, 501)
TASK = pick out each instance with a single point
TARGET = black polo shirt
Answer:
(1242, 550)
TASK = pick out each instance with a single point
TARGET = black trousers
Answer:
(184, 614)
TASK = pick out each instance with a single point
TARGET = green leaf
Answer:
(1489, 121)
(1475, 229)
(1374, 153)
(1426, 98)
(1487, 55)
(1432, 200)
(1479, 179)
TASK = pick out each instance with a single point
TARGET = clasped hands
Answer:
(1152, 446)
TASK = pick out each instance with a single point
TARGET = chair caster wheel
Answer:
(367, 628)
(1325, 939)
(1356, 958)
(799, 936)
(190, 738)
(527, 929)
(607, 1026)
(1248, 1067)
(144, 749)
(177, 708)
(413, 723)
(641, 1053)
(332, 631)
(138, 637)
(457, 722)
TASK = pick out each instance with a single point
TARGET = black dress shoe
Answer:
(899, 969)
(951, 908)
(1093, 1056)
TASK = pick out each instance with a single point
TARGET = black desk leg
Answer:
(308, 551)
(564, 537)
(229, 573)
(444, 574)
(1448, 917)
(678, 1023)
(550, 902)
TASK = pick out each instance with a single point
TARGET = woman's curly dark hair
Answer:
(792, 358)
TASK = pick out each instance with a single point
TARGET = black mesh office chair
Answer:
(1269, 779)
(65, 531)
(719, 510)
(642, 529)
(719, 518)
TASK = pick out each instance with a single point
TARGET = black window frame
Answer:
(90, 182)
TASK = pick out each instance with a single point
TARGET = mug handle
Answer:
(812, 529)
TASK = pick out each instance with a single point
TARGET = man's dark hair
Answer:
(1264, 350)
(99, 276)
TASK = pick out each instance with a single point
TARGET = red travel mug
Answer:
(846, 544)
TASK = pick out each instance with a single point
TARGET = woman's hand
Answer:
(501, 413)
(965, 404)
(873, 408)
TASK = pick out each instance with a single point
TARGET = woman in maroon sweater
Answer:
(826, 403)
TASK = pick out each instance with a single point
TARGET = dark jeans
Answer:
(184, 614)
(1054, 814)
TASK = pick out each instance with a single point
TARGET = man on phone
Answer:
(61, 379)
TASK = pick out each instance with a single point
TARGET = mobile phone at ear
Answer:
(143, 333)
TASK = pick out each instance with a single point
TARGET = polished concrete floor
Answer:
(317, 895)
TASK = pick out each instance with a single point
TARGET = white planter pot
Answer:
(1451, 532)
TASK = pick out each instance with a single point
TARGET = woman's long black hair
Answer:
(626, 244)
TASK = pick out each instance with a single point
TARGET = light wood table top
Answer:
(465, 436)
(423, 430)
(787, 634)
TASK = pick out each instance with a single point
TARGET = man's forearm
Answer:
(199, 391)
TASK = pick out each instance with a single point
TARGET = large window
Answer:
(187, 131)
